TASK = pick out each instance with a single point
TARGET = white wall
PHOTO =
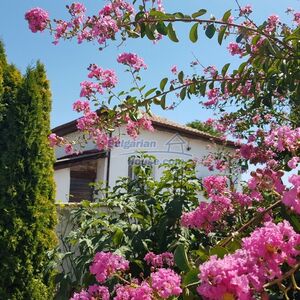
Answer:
(158, 143)
(62, 181)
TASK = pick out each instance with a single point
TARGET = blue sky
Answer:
(66, 63)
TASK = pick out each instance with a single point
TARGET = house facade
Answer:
(169, 141)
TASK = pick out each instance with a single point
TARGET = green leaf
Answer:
(149, 92)
(149, 33)
(202, 88)
(221, 34)
(156, 101)
(183, 93)
(210, 31)
(194, 33)
(161, 28)
(180, 76)
(242, 67)
(158, 14)
(191, 277)
(226, 15)
(163, 83)
(199, 13)
(225, 69)
(172, 34)
(163, 102)
(181, 258)
(118, 236)
(178, 15)
(219, 251)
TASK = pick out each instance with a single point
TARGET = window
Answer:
(81, 176)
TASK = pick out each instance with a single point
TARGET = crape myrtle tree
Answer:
(259, 258)
(27, 209)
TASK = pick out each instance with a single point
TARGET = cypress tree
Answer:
(27, 210)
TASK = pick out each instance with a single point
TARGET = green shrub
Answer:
(133, 218)
(27, 209)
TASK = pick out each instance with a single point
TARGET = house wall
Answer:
(164, 145)
(62, 181)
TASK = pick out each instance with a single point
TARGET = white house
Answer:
(169, 141)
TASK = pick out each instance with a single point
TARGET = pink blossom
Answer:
(133, 127)
(166, 283)
(291, 198)
(98, 291)
(297, 17)
(242, 199)
(211, 70)
(54, 139)
(283, 138)
(93, 292)
(107, 263)
(256, 119)
(158, 260)
(207, 213)
(174, 70)
(37, 18)
(293, 162)
(242, 274)
(80, 106)
(246, 10)
(107, 78)
(83, 295)
(90, 88)
(215, 184)
(134, 292)
(88, 121)
(77, 8)
(132, 60)
(234, 49)
(69, 149)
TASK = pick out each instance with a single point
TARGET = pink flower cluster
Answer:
(211, 70)
(134, 291)
(291, 198)
(106, 264)
(297, 18)
(212, 162)
(242, 274)
(213, 97)
(246, 10)
(235, 49)
(207, 213)
(55, 140)
(107, 78)
(93, 292)
(99, 27)
(37, 18)
(166, 283)
(133, 127)
(215, 185)
(81, 106)
(266, 179)
(159, 260)
(163, 282)
(283, 138)
(131, 60)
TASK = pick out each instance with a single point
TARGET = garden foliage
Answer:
(259, 257)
